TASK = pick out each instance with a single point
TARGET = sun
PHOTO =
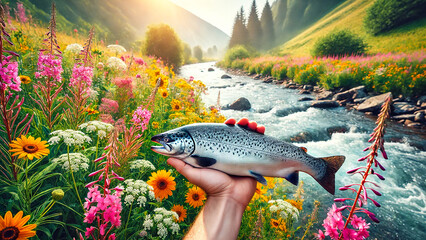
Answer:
(29, 147)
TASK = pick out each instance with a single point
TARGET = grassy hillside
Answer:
(350, 15)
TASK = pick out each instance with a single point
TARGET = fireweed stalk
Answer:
(80, 83)
(10, 106)
(335, 220)
(106, 207)
(49, 68)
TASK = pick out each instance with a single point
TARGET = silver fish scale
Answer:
(221, 138)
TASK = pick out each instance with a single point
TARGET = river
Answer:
(403, 210)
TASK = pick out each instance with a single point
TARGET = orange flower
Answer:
(195, 197)
(29, 147)
(13, 227)
(162, 183)
(181, 212)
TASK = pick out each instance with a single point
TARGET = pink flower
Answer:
(106, 118)
(9, 75)
(139, 61)
(138, 76)
(20, 13)
(191, 78)
(81, 77)
(112, 237)
(89, 231)
(141, 118)
(108, 106)
(319, 235)
(125, 88)
(49, 66)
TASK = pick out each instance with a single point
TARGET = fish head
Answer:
(176, 143)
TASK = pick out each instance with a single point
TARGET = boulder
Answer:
(373, 104)
(302, 99)
(403, 108)
(225, 76)
(419, 117)
(337, 129)
(210, 69)
(360, 100)
(357, 92)
(325, 104)
(421, 100)
(404, 116)
(268, 80)
(324, 95)
(423, 105)
(304, 92)
(257, 77)
(302, 137)
(414, 125)
(308, 87)
(241, 104)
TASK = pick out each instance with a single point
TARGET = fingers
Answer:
(243, 122)
(260, 129)
(230, 121)
(191, 173)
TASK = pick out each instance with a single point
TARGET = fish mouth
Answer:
(164, 149)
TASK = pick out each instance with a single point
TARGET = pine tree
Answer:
(267, 27)
(280, 15)
(239, 32)
(254, 28)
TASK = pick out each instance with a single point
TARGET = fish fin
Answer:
(204, 161)
(304, 149)
(293, 178)
(258, 177)
(333, 164)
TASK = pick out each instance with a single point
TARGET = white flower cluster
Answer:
(284, 208)
(70, 137)
(116, 63)
(163, 219)
(117, 49)
(78, 162)
(93, 94)
(137, 190)
(97, 126)
(74, 48)
(142, 165)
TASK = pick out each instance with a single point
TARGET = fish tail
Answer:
(332, 166)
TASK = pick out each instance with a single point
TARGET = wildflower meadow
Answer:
(77, 116)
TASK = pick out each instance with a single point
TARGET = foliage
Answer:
(162, 42)
(310, 75)
(198, 53)
(254, 28)
(267, 23)
(339, 43)
(239, 31)
(384, 15)
(235, 53)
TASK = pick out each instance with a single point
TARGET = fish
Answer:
(238, 150)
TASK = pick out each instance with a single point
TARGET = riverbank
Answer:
(411, 112)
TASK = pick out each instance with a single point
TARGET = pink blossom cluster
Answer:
(125, 87)
(141, 118)
(108, 106)
(334, 224)
(105, 208)
(9, 75)
(20, 13)
(49, 66)
(106, 118)
(81, 77)
(139, 61)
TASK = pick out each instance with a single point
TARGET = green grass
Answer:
(350, 15)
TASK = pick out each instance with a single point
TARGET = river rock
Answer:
(302, 99)
(257, 77)
(268, 80)
(325, 104)
(404, 116)
(357, 92)
(210, 69)
(337, 129)
(304, 92)
(403, 108)
(419, 117)
(308, 87)
(421, 100)
(423, 105)
(414, 124)
(302, 137)
(324, 95)
(373, 104)
(241, 104)
(225, 76)
(360, 100)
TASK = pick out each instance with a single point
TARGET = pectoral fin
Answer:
(204, 161)
(258, 177)
(293, 178)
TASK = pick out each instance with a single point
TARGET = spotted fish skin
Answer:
(240, 151)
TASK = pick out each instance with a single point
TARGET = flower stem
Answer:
(73, 179)
(127, 222)
(47, 209)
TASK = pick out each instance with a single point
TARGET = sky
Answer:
(220, 13)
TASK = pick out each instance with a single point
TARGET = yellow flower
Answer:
(13, 227)
(260, 192)
(29, 147)
(181, 212)
(155, 125)
(176, 105)
(271, 182)
(296, 203)
(164, 93)
(91, 111)
(275, 223)
(195, 197)
(25, 79)
(162, 183)
(279, 224)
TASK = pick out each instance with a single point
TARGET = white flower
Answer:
(148, 224)
(70, 137)
(175, 228)
(117, 49)
(158, 217)
(78, 162)
(163, 220)
(101, 128)
(167, 221)
(162, 231)
(142, 164)
(138, 189)
(74, 48)
(129, 199)
(284, 208)
(93, 94)
(116, 63)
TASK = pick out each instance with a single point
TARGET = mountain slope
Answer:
(126, 21)
(350, 15)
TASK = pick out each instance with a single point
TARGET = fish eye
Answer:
(166, 139)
